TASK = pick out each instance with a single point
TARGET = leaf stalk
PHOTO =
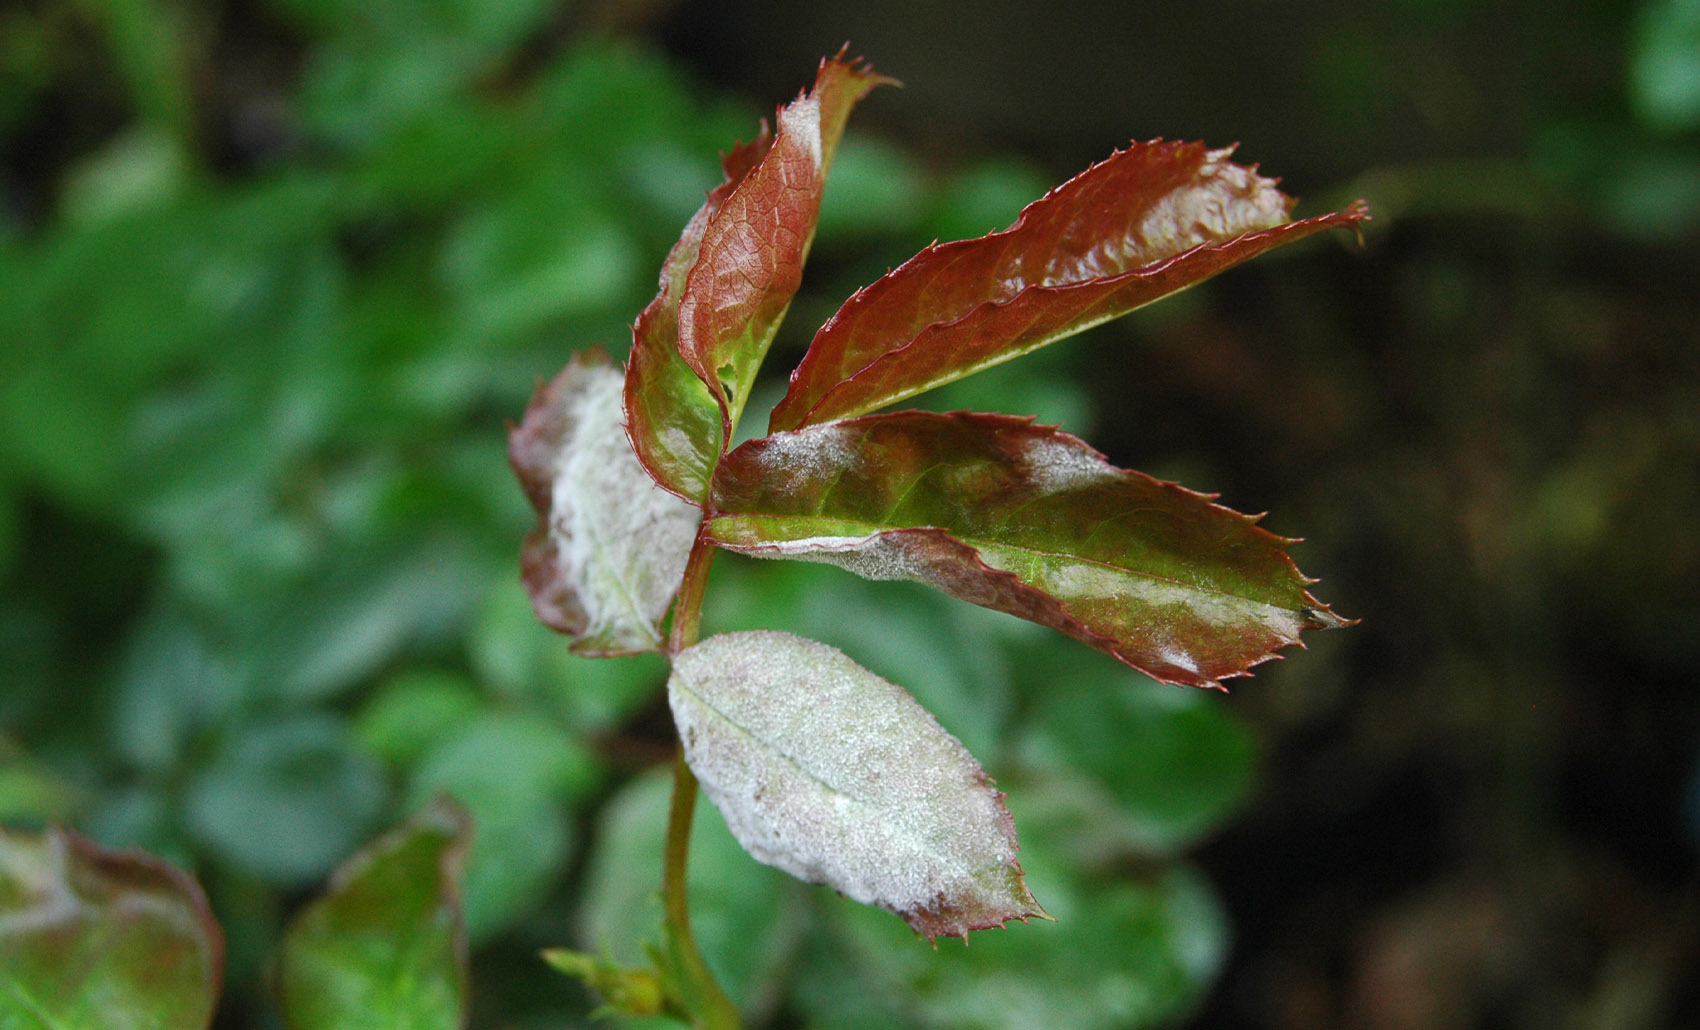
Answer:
(699, 994)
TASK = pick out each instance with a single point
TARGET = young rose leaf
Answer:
(1027, 520)
(1148, 221)
(91, 938)
(608, 551)
(830, 773)
(752, 251)
(385, 946)
(673, 421)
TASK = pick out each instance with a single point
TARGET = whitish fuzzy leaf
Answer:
(827, 771)
(609, 548)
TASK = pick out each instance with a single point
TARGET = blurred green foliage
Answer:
(260, 539)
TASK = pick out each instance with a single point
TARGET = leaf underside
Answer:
(1144, 223)
(1027, 520)
(832, 774)
(94, 938)
(608, 551)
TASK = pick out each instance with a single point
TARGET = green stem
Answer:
(700, 994)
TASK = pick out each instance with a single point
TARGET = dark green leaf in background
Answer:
(514, 772)
(522, 661)
(413, 712)
(1119, 765)
(1130, 954)
(385, 947)
(96, 940)
(285, 800)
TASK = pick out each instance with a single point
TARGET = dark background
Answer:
(1478, 808)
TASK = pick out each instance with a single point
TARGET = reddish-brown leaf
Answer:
(1028, 520)
(1147, 222)
(752, 251)
(672, 419)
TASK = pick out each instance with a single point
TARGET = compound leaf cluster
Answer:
(820, 767)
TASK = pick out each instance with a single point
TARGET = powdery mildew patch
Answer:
(838, 777)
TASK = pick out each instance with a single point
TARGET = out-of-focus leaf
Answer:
(1665, 64)
(144, 815)
(877, 190)
(609, 548)
(1129, 765)
(286, 799)
(91, 938)
(519, 659)
(29, 792)
(747, 919)
(1150, 220)
(838, 777)
(512, 772)
(978, 199)
(1028, 520)
(174, 681)
(538, 253)
(385, 946)
(415, 711)
(752, 251)
(143, 169)
(673, 421)
(1122, 956)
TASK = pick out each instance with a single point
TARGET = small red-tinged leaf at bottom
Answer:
(91, 938)
(386, 945)
(838, 777)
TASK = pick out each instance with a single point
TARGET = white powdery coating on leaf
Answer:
(1233, 199)
(1051, 465)
(875, 556)
(622, 541)
(812, 453)
(838, 777)
(801, 118)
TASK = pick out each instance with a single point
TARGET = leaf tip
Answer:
(1317, 615)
